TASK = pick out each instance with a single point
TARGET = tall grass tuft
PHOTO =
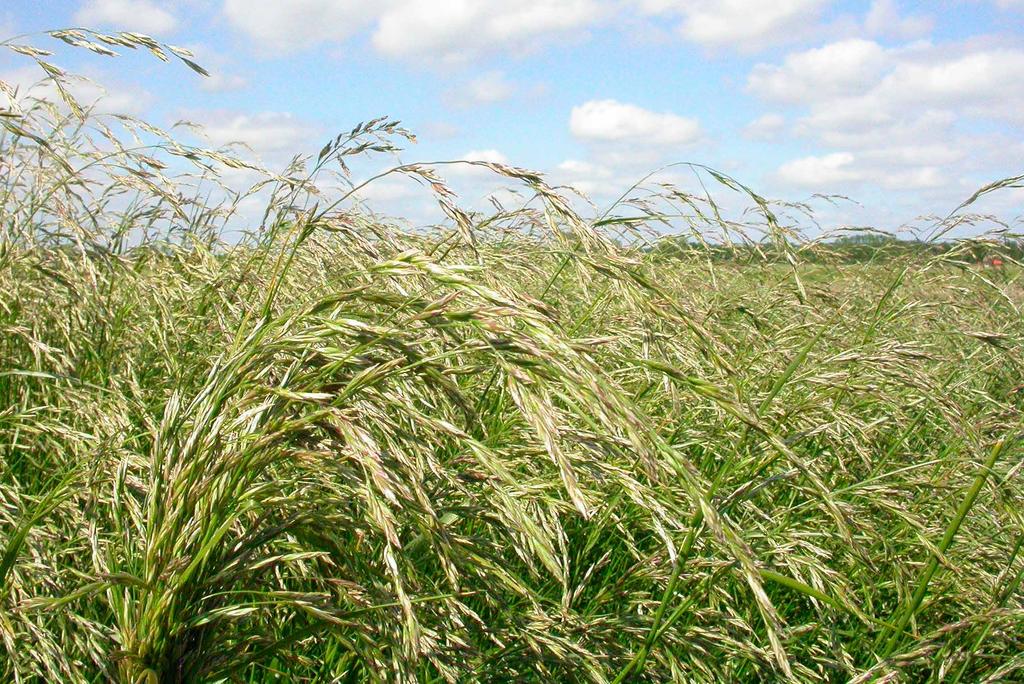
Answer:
(655, 444)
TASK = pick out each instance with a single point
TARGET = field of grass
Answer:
(518, 447)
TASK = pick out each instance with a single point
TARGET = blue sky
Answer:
(904, 107)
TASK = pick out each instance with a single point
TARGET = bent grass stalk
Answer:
(526, 445)
(891, 638)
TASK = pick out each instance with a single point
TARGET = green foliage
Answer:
(531, 446)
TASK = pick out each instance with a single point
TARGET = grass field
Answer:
(519, 447)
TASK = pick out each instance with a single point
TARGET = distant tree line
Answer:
(860, 248)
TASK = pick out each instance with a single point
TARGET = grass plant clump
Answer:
(527, 446)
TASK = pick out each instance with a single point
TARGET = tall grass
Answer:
(519, 447)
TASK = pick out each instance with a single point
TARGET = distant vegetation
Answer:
(861, 248)
(533, 446)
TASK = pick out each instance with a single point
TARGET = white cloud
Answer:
(127, 15)
(856, 122)
(493, 87)
(491, 155)
(469, 170)
(274, 136)
(454, 30)
(841, 68)
(917, 178)
(884, 19)
(392, 189)
(934, 154)
(589, 177)
(220, 65)
(626, 144)
(490, 88)
(614, 121)
(898, 116)
(858, 80)
(220, 82)
(984, 81)
(819, 171)
(457, 29)
(438, 130)
(744, 25)
(112, 98)
(840, 169)
(919, 97)
(293, 26)
(765, 127)
(7, 25)
(577, 167)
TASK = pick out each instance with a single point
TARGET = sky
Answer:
(906, 108)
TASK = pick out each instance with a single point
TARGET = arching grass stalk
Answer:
(907, 613)
(1009, 590)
